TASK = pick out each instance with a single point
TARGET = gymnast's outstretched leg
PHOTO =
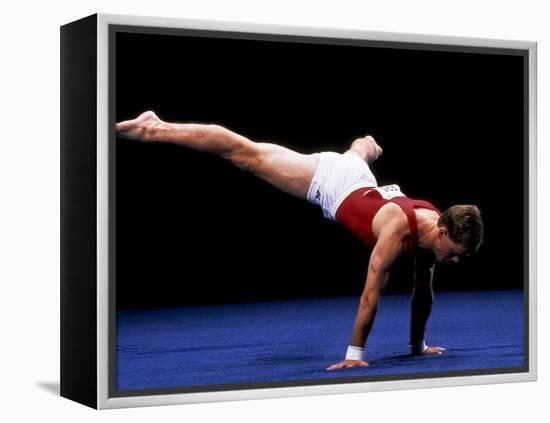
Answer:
(287, 170)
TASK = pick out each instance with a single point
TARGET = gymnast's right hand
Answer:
(348, 364)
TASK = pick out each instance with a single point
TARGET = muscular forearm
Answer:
(364, 319)
(421, 307)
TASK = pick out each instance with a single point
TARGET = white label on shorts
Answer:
(390, 191)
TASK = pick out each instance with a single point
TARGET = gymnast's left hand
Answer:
(347, 364)
(433, 351)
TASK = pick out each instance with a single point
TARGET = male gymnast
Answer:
(345, 188)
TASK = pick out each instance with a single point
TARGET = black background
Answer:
(192, 229)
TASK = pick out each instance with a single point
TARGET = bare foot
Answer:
(138, 128)
(375, 150)
(367, 148)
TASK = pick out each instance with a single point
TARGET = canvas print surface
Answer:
(291, 211)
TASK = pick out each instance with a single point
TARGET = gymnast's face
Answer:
(448, 251)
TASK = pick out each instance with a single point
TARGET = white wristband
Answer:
(355, 353)
(418, 348)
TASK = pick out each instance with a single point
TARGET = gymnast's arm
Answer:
(386, 251)
(421, 307)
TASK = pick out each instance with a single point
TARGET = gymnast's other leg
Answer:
(366, 148)
(287, 170)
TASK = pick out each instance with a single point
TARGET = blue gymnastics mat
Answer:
(297, 340)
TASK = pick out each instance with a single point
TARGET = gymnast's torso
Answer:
(365, 209)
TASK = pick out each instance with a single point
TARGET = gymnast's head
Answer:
(460, 233)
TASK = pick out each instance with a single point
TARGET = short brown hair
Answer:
(464, 224)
